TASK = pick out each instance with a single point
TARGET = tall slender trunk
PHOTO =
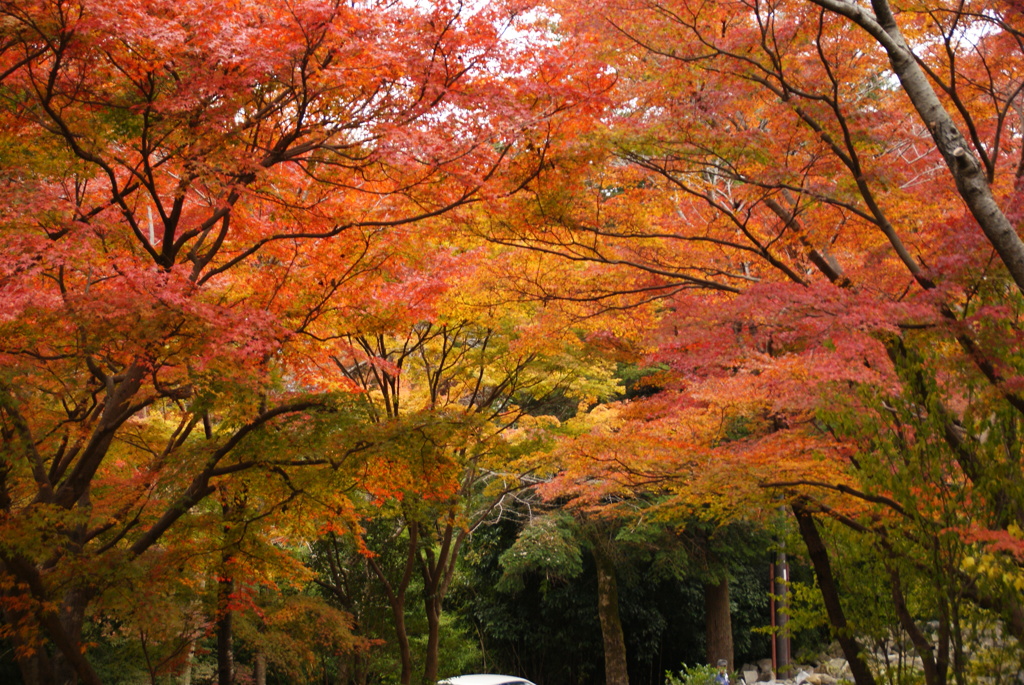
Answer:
(437, 566)
(225, 590)
(830, 595)
(186, 673)
(934, 663)
(971, 179)
(260, 669)
(430, 659)
(615, 671)
(396, 594)
(225, 639)
(782, 644)
(404, 650)
(718, 622)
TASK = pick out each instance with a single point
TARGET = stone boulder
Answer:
(820, 679)
(837, 668)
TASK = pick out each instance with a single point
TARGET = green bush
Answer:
(701, 674)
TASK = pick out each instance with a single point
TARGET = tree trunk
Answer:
(260, 670)
(230, 511)
(402, 633)
(437, 566)
(68, 664)
(970, 179)
(615, 670)
(433, 607)
(36, 669)
(935, 666)
(186, 673)
(225, 646)
(830, 595)
(782, 614)
(396, 599)
(718, 622)
(34, 664)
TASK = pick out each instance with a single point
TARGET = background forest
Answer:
(377, 341)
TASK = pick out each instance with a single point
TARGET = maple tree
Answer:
(620, 471)
(188, 191)
(223, 259)
(448, 395)
(797, 194)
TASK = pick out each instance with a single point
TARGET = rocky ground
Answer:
(828, 672)
(835, 671)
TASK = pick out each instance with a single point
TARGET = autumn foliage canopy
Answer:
(259, 257)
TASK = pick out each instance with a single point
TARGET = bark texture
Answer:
(970, 179)
(718, 622)
(615, 669)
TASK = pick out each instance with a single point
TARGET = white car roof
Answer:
(485, 679)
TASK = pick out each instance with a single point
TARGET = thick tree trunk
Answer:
(35, 669)
(35, 664)
(830, 595)
(68, 664)
(615, 669)
(718, 622)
